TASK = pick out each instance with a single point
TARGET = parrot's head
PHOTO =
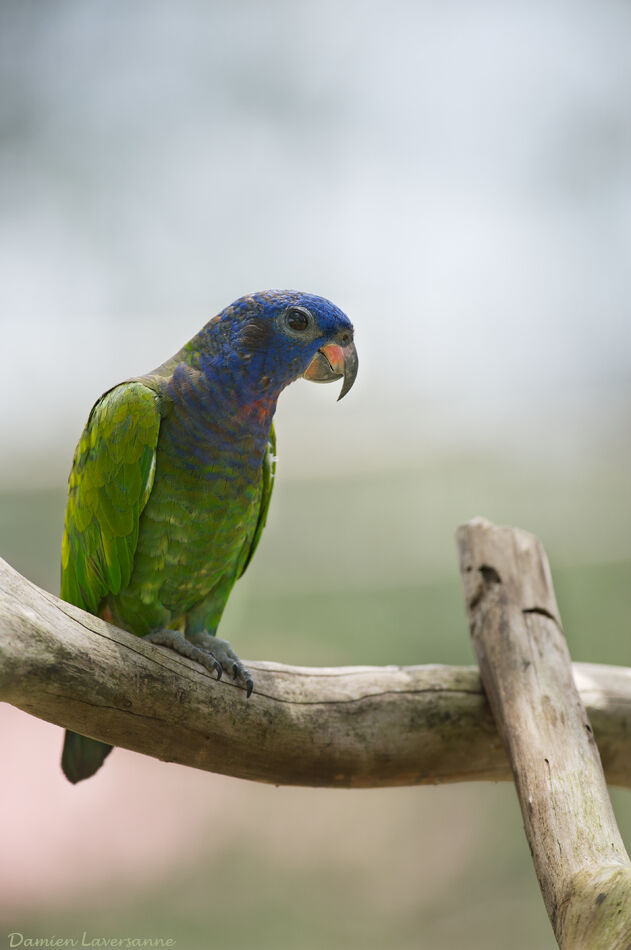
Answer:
(280, 335)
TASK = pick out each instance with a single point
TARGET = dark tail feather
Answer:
(82, 757)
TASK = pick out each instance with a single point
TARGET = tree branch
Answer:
(346, 726)
(583, 869)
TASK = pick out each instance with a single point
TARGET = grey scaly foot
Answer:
(177, 642)
(223, 652)
(214, 654)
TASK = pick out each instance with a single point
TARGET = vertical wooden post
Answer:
(583, 869)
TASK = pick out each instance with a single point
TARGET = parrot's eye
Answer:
(298, 319)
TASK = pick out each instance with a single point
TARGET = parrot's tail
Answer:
(82, 757)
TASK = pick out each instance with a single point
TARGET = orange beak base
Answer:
(333, 362)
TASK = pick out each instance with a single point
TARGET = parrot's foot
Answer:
(214, 654)
(223, 652)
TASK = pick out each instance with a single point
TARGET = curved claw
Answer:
(239, 672)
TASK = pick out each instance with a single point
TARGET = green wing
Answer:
(269, 472)
(110, 483)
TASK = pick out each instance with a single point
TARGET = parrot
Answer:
(172, 478)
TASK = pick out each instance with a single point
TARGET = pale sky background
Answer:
(456, 176)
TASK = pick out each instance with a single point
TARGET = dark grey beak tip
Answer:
(351, 365)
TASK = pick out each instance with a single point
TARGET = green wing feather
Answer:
(269, 473)
(110, 483)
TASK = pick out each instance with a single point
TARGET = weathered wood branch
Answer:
(583, 869)
(353, 726)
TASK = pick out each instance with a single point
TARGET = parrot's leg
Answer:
(201, 623)
(223, 652)
(214, 654)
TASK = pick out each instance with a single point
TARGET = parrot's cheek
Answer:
(333, 362)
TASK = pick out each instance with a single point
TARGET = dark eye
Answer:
(298, 319)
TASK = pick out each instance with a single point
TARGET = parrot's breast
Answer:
(196, 529)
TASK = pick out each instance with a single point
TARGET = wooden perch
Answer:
(583, 869)
(354, 726)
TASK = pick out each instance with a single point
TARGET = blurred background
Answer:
(456, 177)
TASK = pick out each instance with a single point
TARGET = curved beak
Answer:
(333, 362)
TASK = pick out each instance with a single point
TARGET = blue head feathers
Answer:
(266, 340)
